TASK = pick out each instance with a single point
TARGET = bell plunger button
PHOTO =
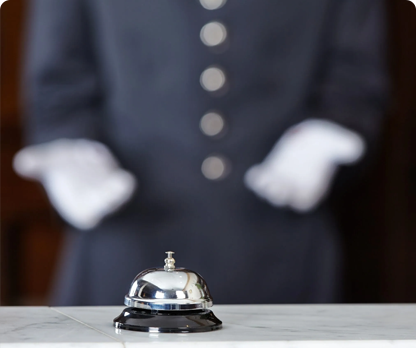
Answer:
(169, 262)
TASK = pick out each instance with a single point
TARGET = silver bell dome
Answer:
(168, 288)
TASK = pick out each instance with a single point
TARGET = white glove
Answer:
(81, 177)
(299, 170)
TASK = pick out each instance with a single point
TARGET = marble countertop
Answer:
(294, 326)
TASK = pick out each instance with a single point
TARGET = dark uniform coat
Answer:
(127, 73)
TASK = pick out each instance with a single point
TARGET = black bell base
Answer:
(167, 321)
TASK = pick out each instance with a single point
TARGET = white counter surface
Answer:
(294, 326)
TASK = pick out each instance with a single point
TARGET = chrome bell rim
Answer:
(165, 306)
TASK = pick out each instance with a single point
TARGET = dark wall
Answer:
(376, 216)
(30, 231)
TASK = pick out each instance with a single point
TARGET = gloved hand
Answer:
(299, 170)
(81, 177)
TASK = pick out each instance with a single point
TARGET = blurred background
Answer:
(377, 216)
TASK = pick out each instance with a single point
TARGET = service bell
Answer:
(168, 299)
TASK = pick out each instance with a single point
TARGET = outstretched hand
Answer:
(81, 177)
(299, 170)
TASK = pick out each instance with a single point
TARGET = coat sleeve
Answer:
(61, 88)
(354, 83)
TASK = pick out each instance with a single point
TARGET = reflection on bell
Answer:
(168, 299)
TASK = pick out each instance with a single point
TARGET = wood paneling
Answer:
(30, 230)
(377, 216)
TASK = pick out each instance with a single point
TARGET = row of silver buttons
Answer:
(213, 79)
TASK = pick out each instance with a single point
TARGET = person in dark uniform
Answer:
(212, 128)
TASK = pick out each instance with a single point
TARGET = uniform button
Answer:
(212, 124)
(215, 168)
(212, 79)
(213, 34)
(212, 4)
